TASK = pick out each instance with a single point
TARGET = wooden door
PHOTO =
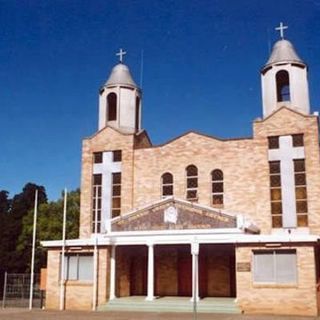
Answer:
(185, 275)
(138, 276)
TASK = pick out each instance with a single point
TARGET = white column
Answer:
(150, 295)
(112, 294)
(195, 273)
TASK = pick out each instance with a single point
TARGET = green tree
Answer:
(49, 227)
(21, 204)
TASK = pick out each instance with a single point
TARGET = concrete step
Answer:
(171, 304)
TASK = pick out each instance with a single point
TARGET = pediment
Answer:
(173, 214)
(285, 112)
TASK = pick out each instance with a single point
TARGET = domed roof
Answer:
(283, 51)
(120, 75)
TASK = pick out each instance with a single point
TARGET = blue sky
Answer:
(201, 72)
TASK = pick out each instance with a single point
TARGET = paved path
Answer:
(22, 314)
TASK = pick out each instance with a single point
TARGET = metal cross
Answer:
(121, 53)
(281, 28)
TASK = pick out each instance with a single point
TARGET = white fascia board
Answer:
(68, 243)
(143, 239)
(175, 232)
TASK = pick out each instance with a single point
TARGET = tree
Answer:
(49, 227)
(21, 204)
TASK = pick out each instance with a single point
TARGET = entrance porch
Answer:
(168, 270)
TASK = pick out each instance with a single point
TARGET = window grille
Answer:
(96, 202)
(217, 187)
(116, 194)
(192, 183)
(275, 193)
(301, 192)
(167, 185)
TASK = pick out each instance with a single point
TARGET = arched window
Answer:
(167, 185)
(217, 187)
(112, 106)
(137, 113)
(192, 183)
(283, 86)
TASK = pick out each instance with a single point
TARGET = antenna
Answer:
(141, 69)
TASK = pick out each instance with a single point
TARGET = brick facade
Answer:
(228, 234)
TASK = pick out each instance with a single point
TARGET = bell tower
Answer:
(120, 100)
(284, 79)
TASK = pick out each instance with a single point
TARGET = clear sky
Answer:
(201, 72)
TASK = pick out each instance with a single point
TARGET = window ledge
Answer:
(80, 283)
(274, 285)
(217, 206)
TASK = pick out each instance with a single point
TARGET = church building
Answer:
(231, 224)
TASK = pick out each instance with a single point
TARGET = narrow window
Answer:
(217, 187)
(116, 194)
(117, 156)
(97, 157)
(297, 140)
(301, 192)
(137, 113)
(275, 193)
(112, 106)
(275, 266)
(167, 185)
(283, 86)
(192, 183)
(96, 202)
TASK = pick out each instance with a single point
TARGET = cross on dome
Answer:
(121, 53)
(281, 28)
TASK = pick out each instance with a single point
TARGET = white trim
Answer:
(173, 232)
(150, 295)
(112, 294)
(209, 238)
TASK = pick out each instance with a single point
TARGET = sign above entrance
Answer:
(173, 214)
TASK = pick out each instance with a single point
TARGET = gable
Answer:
(109, 139)
(173, 215)
(284, 121)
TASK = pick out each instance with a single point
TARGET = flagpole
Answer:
(62, 274)
(35, 213)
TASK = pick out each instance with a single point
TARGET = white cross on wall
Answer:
(106, 168)
(281, 28)
(121, 53)
(286, 154)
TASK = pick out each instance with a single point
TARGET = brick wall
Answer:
(78, 294)
(299, 299)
